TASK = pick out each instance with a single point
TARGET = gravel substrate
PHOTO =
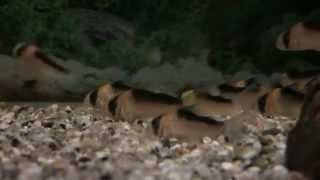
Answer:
(75, 143)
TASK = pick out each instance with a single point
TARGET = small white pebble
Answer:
(54, 107)
(176, 146)
(68, 108)
(173, 140)
(184, 144)
(254, 169)
(229, 148)
(150, 163)
(280, 168)
(149, 178)
(215, 143)
(281, 146)
(206, 140)
(126, 127)
(227, 166)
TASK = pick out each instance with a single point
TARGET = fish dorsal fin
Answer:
(188, 114)
(146, 95)
(189, 97)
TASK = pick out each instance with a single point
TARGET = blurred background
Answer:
(137, 37)
(134, 34)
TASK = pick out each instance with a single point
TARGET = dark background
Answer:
(230, 34)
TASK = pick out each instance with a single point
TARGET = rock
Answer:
(197, 75)
(206, 140)
(303, 140)
(248, 148)
(216, 174)
(203, 171)
(277, 172)
(170, 79)
(102, 27)
(30, 171)
(162, 79)
(251, 174)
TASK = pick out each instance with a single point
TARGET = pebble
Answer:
(248, 148)
(87, 146)
(206, 140)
